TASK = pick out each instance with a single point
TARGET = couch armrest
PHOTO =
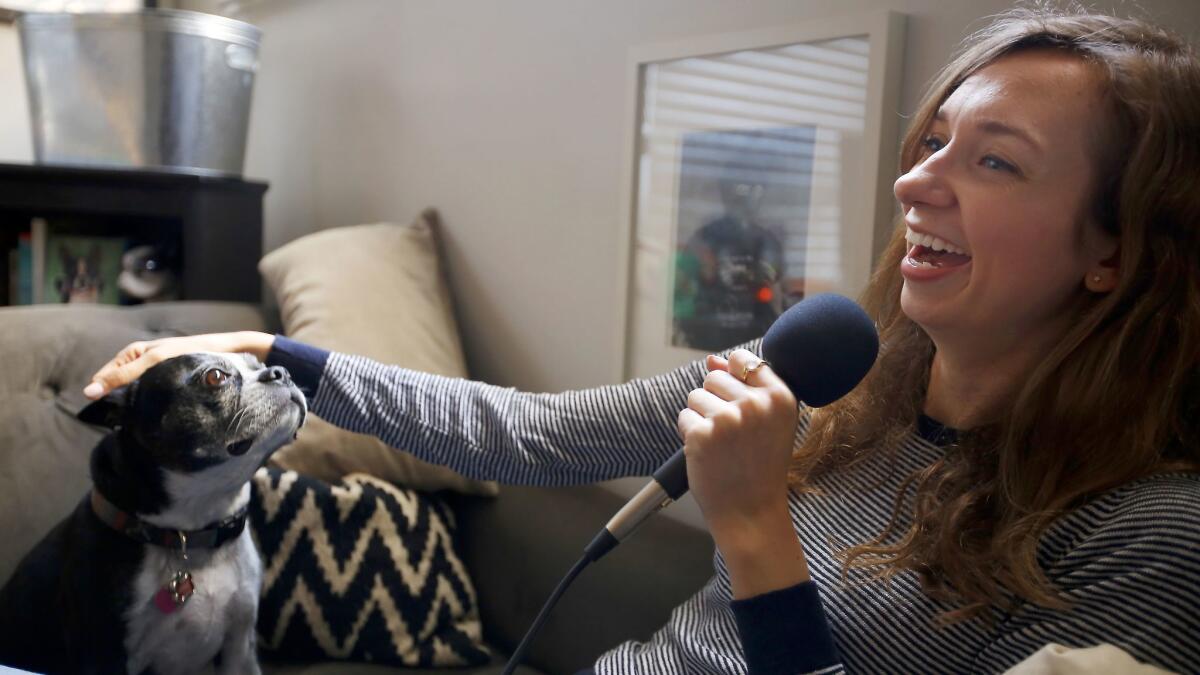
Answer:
(519, 545)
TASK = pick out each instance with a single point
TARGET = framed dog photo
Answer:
(759, 171)
(82, 270)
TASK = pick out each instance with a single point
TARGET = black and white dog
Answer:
(155, 571)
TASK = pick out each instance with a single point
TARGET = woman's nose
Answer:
(923, 185)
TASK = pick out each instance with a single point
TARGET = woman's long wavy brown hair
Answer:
(1116, 400)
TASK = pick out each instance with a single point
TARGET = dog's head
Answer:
(200, 410)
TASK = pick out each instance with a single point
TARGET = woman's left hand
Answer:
(738, 436)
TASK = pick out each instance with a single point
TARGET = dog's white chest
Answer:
(222, 608)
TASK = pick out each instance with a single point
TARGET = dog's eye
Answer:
(214, 377)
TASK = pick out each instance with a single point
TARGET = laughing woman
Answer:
(1020, 467)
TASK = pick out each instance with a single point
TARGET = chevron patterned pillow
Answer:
(361, 571)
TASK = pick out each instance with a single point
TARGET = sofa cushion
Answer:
(49, 353)
(361, 571)
(375, 291)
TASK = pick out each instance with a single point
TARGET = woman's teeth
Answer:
(931, 242)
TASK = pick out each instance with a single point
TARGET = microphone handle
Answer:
(670, 483)
(672, 475)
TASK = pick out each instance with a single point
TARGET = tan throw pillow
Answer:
(375, 291)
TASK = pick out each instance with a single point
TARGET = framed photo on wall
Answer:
(760, 169)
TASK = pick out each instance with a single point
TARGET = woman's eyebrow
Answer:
(998, 128)
(1002, 129)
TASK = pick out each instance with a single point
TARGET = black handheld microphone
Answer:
(820, 347)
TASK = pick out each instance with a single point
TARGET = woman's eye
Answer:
(997, 164)
(214, 377)
(932, 144)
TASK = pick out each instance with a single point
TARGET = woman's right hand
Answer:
(138, 357)
(738, 434)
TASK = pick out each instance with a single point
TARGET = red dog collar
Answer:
(139, 530)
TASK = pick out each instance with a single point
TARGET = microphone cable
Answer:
(600, 545)
(669, 483)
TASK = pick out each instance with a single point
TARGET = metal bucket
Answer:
(155, 88)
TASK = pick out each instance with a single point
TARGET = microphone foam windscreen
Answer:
(821, 347)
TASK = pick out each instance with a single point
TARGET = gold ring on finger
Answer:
(749, 369)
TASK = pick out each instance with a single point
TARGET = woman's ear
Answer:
(1104, 275)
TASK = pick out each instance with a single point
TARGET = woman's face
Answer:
(1005, 185)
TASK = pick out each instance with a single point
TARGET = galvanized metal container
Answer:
(155, 88)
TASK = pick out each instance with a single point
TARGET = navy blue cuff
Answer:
(304, 362)
(785, 631)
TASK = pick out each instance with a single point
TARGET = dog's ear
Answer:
(110, 410)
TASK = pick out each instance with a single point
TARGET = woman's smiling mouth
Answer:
(928, 252)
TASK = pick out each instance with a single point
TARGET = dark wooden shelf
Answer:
(215, 219)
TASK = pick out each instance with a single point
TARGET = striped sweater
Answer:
(1128, 562)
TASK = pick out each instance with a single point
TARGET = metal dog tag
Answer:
(175, 593)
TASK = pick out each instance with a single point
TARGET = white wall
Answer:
(15, 142)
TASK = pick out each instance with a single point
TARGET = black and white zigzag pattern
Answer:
(361, 571)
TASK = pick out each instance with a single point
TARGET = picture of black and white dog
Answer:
(155, 570)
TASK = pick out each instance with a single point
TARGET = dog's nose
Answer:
(274, 374)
